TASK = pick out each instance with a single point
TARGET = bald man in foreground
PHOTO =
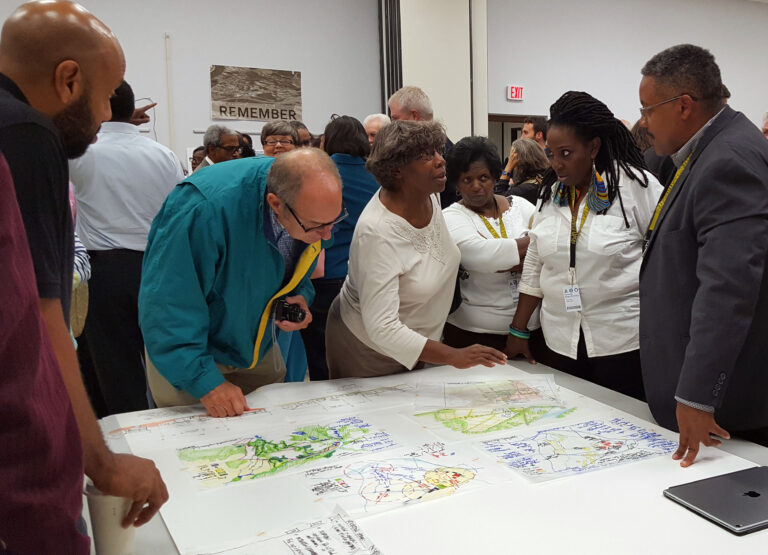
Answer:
(229, 243)
(58, 67)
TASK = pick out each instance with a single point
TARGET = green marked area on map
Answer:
(485, 420)
(257, 456)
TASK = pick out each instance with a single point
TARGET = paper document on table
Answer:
(379, 397)
(401, 478)
(534, 391)
(556, 452)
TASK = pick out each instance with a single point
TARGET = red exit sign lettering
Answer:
(514, 93)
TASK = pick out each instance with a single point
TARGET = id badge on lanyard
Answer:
(571, 293)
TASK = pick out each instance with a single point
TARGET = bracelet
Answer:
(520, 334)
(505, 173)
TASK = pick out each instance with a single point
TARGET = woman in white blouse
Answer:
(584, 259)
(491, 233)
(390, 313)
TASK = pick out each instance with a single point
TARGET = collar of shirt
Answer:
(118, 127)
(209, 161)
(679, 157)
(12, 88)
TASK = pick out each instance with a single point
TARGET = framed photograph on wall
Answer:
(247, 93)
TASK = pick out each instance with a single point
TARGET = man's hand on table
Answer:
(224, 400)
(285, 325)
(695, 426)
(136, 479)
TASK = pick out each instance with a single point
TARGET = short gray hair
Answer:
(688, 69)
(286, 176)
(400, 143)
(413, 98)
(213, 135)
(383, 118)
(531, 160)
(279, 128)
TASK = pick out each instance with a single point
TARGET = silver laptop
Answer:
(737, 501)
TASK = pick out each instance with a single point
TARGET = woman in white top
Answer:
(390, 312)
(491, 233)
(583, 263)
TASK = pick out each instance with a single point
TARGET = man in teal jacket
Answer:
(227, 243)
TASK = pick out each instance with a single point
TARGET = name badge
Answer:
(572, 298)
(514, 285)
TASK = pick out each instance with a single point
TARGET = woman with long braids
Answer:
(584, 258)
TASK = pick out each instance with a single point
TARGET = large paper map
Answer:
(556, 452)
(475, 394)
(257, 456)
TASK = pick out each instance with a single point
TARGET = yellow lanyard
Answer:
(660, 205)
(576, 232)
(493, 231)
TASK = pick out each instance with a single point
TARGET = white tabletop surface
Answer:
(615, 510)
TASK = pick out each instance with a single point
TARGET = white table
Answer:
(615, 510)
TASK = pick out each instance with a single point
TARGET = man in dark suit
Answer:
(703, 282)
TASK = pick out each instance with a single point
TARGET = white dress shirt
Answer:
(120, 184)
(400, 284)
(489, 294)
(608, 258)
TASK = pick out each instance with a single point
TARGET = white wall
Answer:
(599, 46)
(333, 43)
(435, 51)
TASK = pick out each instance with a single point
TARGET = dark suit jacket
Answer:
(704, 285)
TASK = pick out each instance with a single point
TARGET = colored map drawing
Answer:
(257, 456)
(582, 447)
(485, 420)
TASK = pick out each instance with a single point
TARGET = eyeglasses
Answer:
(343, 215)
(644, 111)
(428, 156)
(275, 142)
(231, 149)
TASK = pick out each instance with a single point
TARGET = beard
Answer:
(76, 126)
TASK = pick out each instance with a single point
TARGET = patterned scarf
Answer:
(597, 196)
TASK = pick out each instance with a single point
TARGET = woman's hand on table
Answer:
(475, 355)
(516, 347)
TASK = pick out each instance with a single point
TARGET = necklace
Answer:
(488, 225)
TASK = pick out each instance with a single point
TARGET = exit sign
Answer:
(514, 93)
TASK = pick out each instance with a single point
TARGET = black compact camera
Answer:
(288, 312)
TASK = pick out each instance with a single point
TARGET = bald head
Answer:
(67, 63)
(307, 181)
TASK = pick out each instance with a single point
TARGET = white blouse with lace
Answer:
(400, 284)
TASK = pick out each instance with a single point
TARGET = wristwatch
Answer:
(505, 173)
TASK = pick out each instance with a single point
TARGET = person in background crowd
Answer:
(198, 155)
(704, 277)
(221, 145)
(305, 137)
(373, 124)
(347, 144)
(58, 67)
(278, 137)
(412, 104)
(120, 184)
(491, 233)
(765, 126)
(524, 171)
(228, 244)
(584, 258)
(535, 128)
(390, 313)
(246, 146)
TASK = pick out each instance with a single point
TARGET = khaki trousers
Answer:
(270, 369)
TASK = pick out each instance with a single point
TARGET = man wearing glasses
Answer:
(221, 144)
(704, 277)
(227, 245)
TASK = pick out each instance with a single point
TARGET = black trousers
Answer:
(112, 329)
(620, 372)
(314, 335)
